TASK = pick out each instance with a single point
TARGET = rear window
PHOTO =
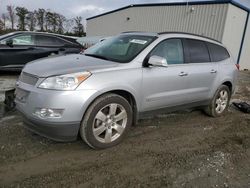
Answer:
(217, 53)
(198, 51)
(42, 40)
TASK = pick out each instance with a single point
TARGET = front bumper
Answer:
(62, 132)
(74, 104)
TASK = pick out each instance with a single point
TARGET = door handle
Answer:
(213, 71)
(183, 74)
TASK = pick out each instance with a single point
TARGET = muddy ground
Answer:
(184, 149)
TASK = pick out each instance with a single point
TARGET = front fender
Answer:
(102, 91)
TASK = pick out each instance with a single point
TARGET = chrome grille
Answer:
(28, 78)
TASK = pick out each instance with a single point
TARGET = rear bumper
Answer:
(62, 132)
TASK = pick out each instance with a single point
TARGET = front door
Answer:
(20, 52)
(165, 86)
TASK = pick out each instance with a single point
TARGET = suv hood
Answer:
(66, 64)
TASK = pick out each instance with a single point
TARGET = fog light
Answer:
(48, 113)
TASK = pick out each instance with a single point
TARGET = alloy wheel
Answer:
(221, 101)
(109, 123)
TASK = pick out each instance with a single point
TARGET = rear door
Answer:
(71, 45)
(53, 45)
(201, 72)
(22, 51)
(49, 45)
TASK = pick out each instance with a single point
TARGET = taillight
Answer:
(237, 66)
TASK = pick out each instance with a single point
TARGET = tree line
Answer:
(21, 19)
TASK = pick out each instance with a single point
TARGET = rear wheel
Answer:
(220, 102)
(106, 121)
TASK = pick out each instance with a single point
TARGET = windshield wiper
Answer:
(97, 56)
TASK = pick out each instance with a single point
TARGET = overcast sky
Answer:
(72, 8)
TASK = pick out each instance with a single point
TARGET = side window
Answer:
(21, 40)
(42, 40)
(170, 49)
(198, 52)
(217, 53)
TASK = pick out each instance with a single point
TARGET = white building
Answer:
(224, 20)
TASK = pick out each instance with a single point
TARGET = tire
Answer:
(106, 121)
(220, 102)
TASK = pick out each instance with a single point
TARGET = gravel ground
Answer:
(184, 149)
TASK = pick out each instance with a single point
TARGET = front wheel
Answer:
(220, 102)
(106, 121)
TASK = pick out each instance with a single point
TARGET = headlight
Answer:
(65, 82)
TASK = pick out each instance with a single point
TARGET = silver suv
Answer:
(99, 94)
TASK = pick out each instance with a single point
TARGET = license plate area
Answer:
(21, 95)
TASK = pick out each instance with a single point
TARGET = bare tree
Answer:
(31, 21)
(54, 22)
(12, 15)
(68, 25)
(4, 19)
(50, 21)
(1, 25)
(21, 12)
(61, 20)
(79, 28)
(40, 17)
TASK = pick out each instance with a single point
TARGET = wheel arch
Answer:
(131, 99)
(229, 85)
(121, 92)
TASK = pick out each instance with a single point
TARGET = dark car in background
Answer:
(19, 48)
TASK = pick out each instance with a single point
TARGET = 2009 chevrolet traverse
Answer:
(100, 93)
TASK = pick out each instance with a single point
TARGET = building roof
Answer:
(243, 4)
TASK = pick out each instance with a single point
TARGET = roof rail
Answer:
(172, 32)
(178, 32)
(132, 32)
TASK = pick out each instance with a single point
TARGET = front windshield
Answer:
(121, 49)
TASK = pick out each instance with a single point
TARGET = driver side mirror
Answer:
(157, 61)
(9, 43)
